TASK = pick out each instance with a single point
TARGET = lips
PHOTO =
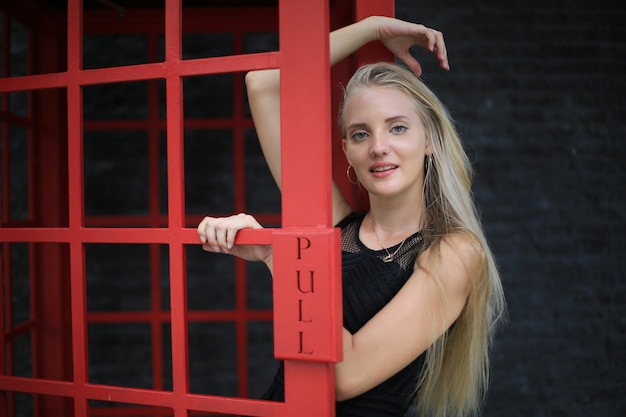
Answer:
(382, 168)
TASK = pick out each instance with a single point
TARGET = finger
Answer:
(237, 223)
(440, 50)
(240, 221)
(212, 248)
(411, 63)
(202, 229)
(221, 232)
(212, 231)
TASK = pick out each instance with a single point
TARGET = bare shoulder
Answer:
(455, 259)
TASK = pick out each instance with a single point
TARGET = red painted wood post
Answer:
(176, 205)
(306, 244)
(375, 51)
(76, 205)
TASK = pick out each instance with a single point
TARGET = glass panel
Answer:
(1, 45)
(22, 356)
(262, 193)
(167, 356)
(23, 404)
(210, 280)
(260, 42)
(120, 354)
(259, 285)
(118, 277)
(117, 101)
(261, 363)
(111, 409)
(103, 51)
(208, 96)
(207, 45)
(209, 182)
(165, 278)
(18, 103)
(163, 172)
(20, 282)
(18, 165)
(116, 173)
(18, 49)
(162, 99)
(212, 359)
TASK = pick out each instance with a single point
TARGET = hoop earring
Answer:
(428, 162)
(355, 182)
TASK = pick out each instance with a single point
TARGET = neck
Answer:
(395, 219)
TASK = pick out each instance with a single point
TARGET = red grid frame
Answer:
(310, 384)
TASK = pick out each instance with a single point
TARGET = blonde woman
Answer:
(421, 292)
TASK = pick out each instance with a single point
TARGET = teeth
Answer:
(381, 169)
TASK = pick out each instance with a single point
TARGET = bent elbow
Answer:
(345, 389)
(261, 81)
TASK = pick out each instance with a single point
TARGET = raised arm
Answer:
(264, 86)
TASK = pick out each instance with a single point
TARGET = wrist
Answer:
(373, 30)
(269, 261)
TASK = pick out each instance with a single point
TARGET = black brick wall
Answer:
(537, 89)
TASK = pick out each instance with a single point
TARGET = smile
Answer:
(383, 168)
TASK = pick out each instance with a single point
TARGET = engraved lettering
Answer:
(303, 243)
(302, 345)
(311, 287)
(301, 315)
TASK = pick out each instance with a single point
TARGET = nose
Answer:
(379, 145)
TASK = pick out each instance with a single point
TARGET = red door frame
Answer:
(306, 213)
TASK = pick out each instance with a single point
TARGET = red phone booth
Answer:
(58, 156)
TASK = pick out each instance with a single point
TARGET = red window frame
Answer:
(306, 210)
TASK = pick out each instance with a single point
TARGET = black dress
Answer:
(369, 284)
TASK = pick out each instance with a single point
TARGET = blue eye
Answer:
(399, 129)
(359, 135)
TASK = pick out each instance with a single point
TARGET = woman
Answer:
(421, 292)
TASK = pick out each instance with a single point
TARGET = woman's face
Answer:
(385, 141)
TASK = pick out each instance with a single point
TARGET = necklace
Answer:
(390, 256)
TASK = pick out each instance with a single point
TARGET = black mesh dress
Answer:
(369, 284)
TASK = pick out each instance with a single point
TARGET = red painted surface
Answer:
(57, 228)
(307, 307)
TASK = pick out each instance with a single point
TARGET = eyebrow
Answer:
(387, 120)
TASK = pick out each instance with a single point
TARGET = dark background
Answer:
(537, 90)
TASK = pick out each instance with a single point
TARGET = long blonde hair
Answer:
(455, 375)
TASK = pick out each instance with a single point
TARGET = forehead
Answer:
(383, 100)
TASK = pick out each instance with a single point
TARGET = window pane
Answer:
(122, 101)
(212, 359)
(207, 45)
(18, 49)
(208, 96)
(103, 51)
(120, 354)
(18, 164)
(20, 282)
(116, 173)
(262, 193)
(118, 277)
(209, 182)
(210, 280)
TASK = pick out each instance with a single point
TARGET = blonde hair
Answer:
(455, 375)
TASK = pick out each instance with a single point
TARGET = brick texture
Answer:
(537, 90)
